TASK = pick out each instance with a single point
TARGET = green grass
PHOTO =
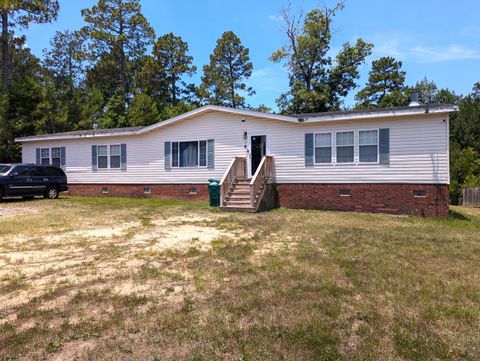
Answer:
(280, 285)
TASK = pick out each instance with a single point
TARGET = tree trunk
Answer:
(123, 61)
(5, 53)
(70, 73)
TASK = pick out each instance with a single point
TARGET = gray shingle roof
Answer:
(371, 111)
(93, 132)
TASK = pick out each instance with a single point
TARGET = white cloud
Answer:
(276, 18)
(425, 54)
(405, 46)
(471, 30)
(271, 79)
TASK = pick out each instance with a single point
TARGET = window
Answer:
(368, 146)
(115, 156)
(22, 171)
(54, 172)
(147, 190)
(189, 154)
(102, 156)
(323, 148)
(105, 190)
(45, 156)
(203, 153)
(175, 154)
(345, 147)
(56, 156)
(344, 192)
(4, 169)
(39, 171)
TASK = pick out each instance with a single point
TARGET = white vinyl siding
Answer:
(418, 151)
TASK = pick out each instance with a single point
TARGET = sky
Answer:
(437, 39)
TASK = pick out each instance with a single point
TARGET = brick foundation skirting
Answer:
(419, 199)
(174, 191)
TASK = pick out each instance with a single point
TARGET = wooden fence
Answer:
(471, 197)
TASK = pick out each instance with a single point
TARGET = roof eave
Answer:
(187, 115)
(393, 113)
(39, 138)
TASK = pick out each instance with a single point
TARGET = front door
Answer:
(258, 149)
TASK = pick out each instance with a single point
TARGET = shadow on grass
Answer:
(457, 216)
(16, 200)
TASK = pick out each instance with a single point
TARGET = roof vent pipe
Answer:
(414, 99)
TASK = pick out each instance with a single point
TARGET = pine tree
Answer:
(20, 13)
(163, 75)
(384, 78)
(224, 78)
(66, 57)
(142, 110)
(117, 27)
(317, 83)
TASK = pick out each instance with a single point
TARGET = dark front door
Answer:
(259, 150)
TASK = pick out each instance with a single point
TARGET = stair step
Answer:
(238, 196)
(240, 193)
(235, 202)
(238, 209)
(242, 188)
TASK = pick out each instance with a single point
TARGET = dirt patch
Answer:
(73, 350)
(79, 257)
(17, 210)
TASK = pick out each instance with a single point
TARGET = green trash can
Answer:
(214, 192)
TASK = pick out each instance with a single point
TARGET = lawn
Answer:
(145, 279)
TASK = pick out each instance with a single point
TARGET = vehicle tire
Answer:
(51, 193)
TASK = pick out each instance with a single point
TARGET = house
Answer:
(393, 160)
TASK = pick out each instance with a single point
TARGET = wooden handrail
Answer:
(264, 173)
(237, 169)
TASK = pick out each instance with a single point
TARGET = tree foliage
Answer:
(223, 80)
(163, 74)
(66, 57)
(384, 78)
(117, 27)
(317, 82)
(20, 13)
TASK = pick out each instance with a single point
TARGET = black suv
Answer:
(27, 180)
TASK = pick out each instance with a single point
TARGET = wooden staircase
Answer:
(238, 193)
(238, 197)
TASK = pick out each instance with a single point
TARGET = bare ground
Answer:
(118, 279)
